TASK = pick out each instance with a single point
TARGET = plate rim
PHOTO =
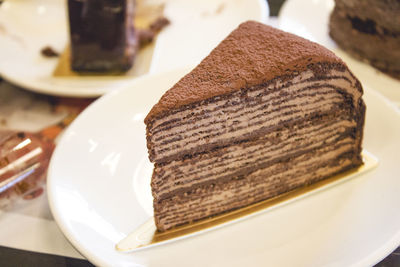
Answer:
(394, 242)
(49, 183)
(47, 88)
(373, 258)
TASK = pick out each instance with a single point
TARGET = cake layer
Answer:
(266, 112)
(368, 32)
(248, 113)
(242, 158)
(261, 184)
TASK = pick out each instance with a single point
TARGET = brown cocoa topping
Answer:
(252, 54)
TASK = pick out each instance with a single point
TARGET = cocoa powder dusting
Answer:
(252, 54)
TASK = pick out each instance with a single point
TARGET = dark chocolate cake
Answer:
(102, 35)
(369, 30)
(266, 112)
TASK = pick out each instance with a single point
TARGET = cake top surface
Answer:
(252, 54)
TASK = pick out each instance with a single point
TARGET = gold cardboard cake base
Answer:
(147, 235)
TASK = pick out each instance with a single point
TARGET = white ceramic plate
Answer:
(28, 26)
(309, 19)
(99, 192)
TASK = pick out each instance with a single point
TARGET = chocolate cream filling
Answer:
(230, 151)
(248, 113)
(220, 164)
(261, 184)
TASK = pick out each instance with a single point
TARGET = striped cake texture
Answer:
(369, 30)
(266, 112)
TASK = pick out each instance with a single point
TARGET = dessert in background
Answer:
(369, 30)
(264, 113)
(103, 36)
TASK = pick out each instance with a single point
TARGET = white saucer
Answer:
(309, 19)
(28, 26)
(98, 198)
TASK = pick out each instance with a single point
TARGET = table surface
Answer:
(18, 257)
